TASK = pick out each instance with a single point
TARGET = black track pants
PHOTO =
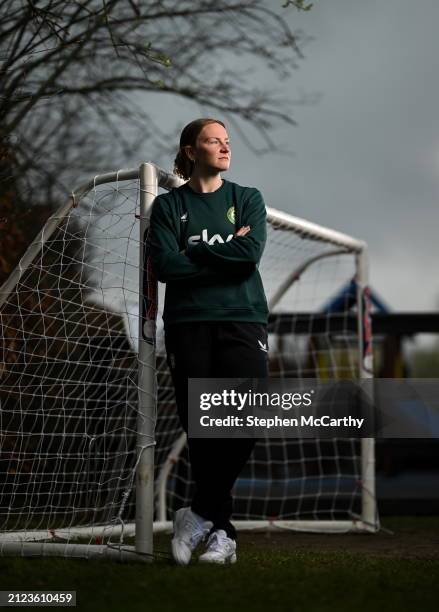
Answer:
(215, 349)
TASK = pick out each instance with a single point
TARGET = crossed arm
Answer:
(203, 262)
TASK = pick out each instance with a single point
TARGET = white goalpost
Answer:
(93, 459)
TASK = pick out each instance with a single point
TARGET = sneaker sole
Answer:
(229, 561)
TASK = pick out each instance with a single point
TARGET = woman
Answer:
(206, 240)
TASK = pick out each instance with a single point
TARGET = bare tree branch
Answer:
(72, 75)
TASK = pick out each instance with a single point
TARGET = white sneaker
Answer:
(189, 530)
(220, 549)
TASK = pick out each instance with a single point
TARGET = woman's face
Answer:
(212, 150)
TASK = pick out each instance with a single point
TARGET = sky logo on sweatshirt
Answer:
(204, 237)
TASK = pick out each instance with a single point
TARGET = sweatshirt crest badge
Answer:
(231, 214)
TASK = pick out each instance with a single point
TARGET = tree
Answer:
(73, 72)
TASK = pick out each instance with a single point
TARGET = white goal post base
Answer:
(12, 547)
(123, 553)
(129, 530)
(15, 544)
(299, 526)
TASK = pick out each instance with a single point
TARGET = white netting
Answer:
(69, 389)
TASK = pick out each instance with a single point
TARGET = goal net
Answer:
(91, 447)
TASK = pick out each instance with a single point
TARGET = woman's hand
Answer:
(243, 230)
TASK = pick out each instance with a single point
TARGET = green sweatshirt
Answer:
(216, 278)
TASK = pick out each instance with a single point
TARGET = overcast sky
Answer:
(367, 153)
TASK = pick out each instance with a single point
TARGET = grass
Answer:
(265, 578)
